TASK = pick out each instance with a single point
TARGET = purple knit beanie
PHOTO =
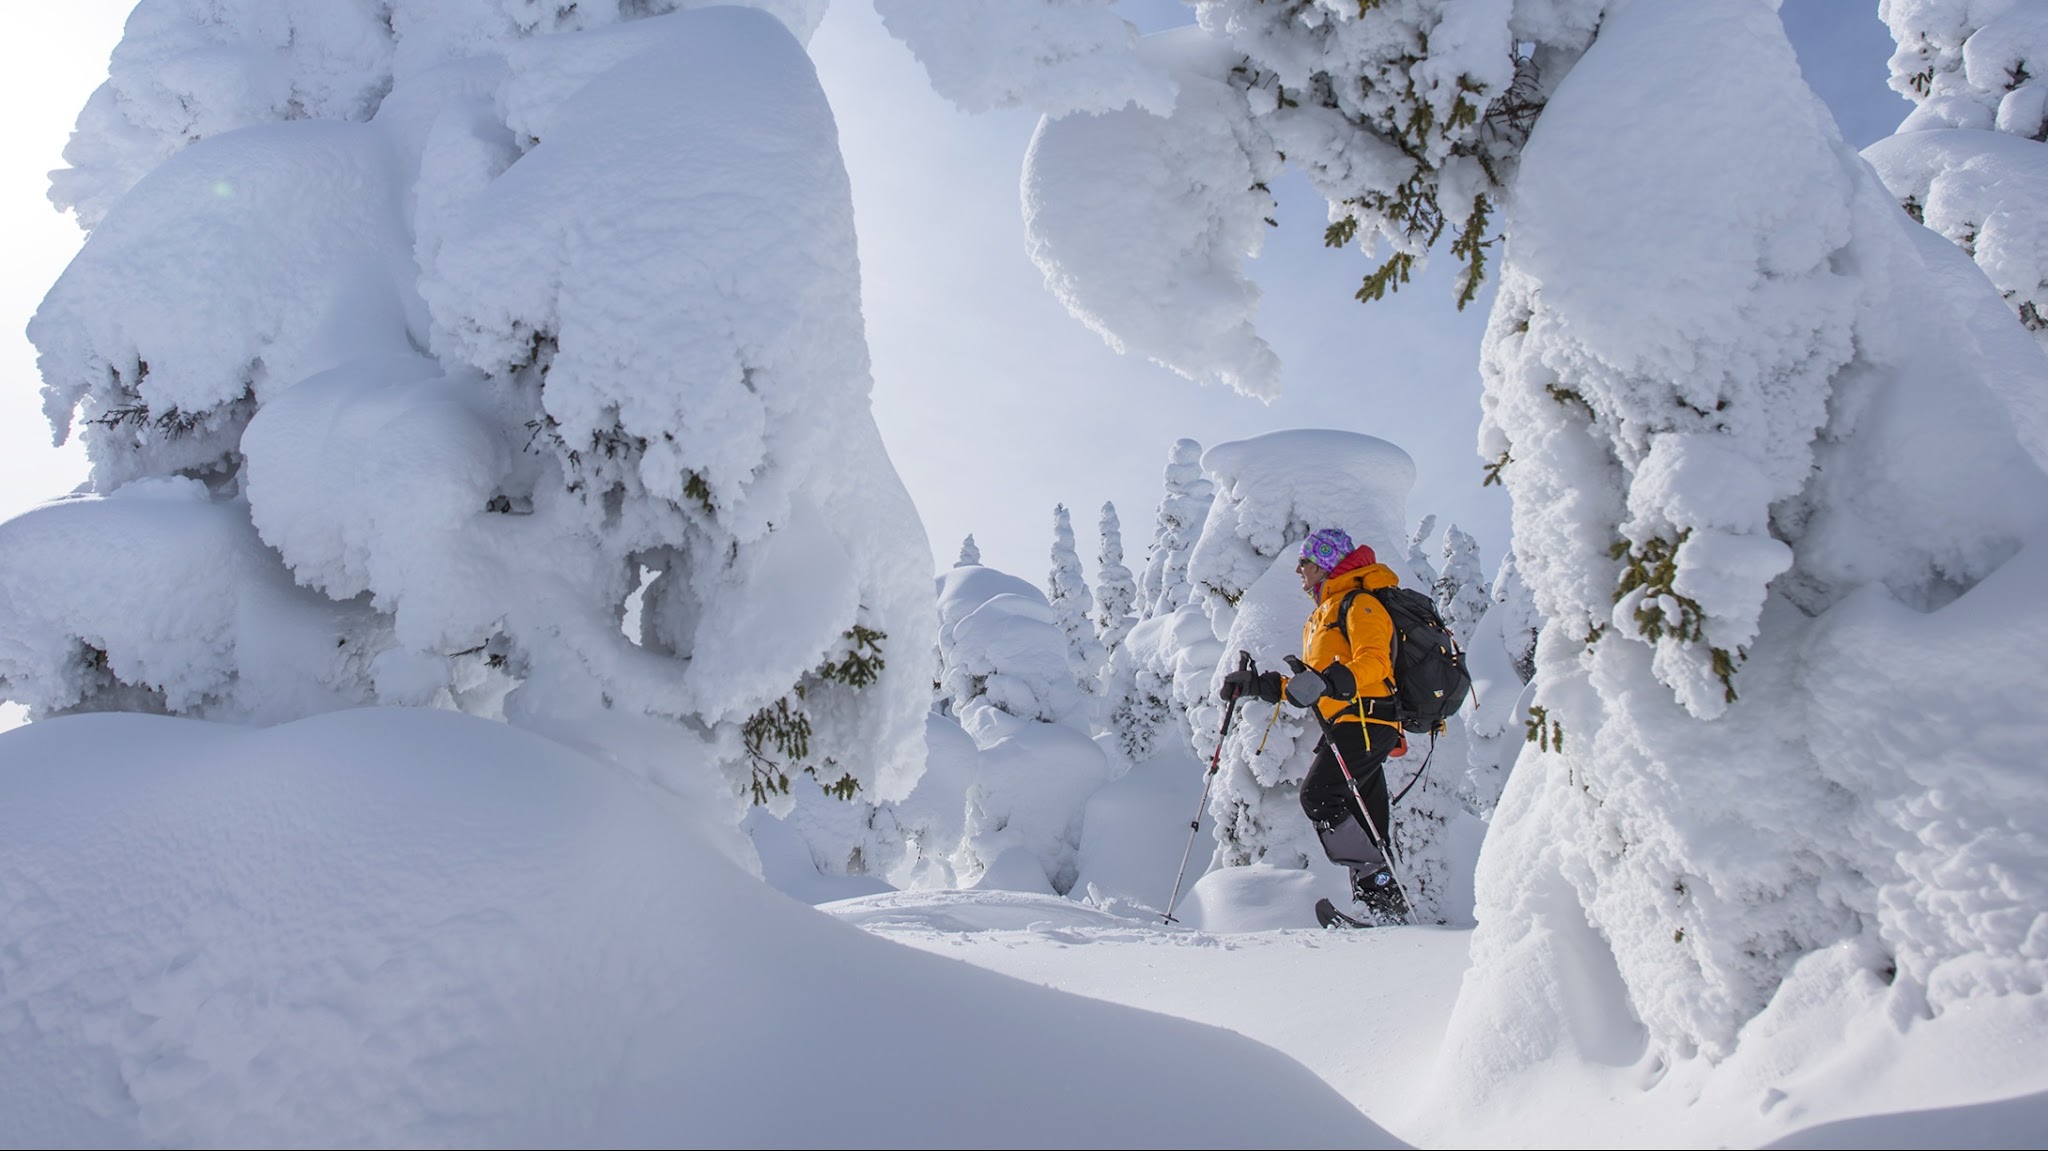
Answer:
(1327, 548)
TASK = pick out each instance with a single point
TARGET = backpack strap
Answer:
(1343, 625)
(1343, 610)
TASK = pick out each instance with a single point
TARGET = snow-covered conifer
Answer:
(1500, 654)
(411, 398)
(1116, 590)
(970, 555)
(1839, 469)
(1520, 622)
(1145, 717)
(1073, 604)
(1461, 595)
(1013, 691)
(1421, 572)
(1970, 161)
(1807, 438)
(1163, 585)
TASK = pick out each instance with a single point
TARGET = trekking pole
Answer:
(1385, 844)
(1244, 663)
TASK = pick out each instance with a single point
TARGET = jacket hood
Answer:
(1366, 577)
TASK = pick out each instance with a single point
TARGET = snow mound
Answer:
(1258, 897)
(411, 927)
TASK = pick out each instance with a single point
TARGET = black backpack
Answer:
(1430, 680)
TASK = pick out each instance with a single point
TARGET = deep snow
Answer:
(385, 927)
(382, 927)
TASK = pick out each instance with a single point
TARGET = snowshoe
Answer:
(1328, 916)
(1380, 896)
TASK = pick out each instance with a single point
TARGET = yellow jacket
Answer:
(1370, 651)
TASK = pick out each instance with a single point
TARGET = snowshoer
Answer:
(1346, 673)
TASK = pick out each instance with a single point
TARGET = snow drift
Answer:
(412, 927)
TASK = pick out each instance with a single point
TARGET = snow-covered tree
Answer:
(1073, 604)
(1013, 691)
(1163, 585)
(1116, 591)
(1970, 161)
(1461, 595)
(1519, 623)
(1799, 441)
(1702, 532)
(970, 555)
(1500, 652)
(1001, 650)
(359, 348)
(1421, 573)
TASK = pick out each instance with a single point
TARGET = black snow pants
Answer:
(1327, 798)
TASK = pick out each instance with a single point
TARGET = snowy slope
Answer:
(409, 927)
(1367, 1011)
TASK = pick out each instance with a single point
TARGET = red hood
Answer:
(1361, 556)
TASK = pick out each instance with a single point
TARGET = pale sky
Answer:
(994, 403)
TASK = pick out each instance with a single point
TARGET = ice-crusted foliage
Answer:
(1072, 604)
(1406, 115)
(1793, 441)
(403, 337)
(1057, 55)
(970, 554)
(1969, 162)
(1116, 591)
(159, 357)
(1461, 594)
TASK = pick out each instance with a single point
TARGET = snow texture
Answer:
(384, 927)
(188, 70)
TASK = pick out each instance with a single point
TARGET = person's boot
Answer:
(1380, 896)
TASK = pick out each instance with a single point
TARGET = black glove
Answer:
(1259, 685)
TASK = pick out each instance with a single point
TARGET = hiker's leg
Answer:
(1326, 800)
